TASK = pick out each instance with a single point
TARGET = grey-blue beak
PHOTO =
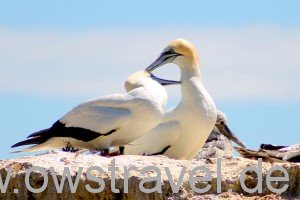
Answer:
(164, 82)
(164, 58)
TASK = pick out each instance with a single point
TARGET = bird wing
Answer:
(155, 142)
(90, 120)
(100, 115)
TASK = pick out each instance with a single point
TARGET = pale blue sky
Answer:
(102, 14)
(56, 54)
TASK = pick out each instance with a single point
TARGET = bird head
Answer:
(140, 78)
(180, 52)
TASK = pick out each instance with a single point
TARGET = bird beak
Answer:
(224, 129)
(164, 82)
(164, 58)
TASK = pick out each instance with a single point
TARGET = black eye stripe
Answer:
(170, 51)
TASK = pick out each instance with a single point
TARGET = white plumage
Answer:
(186, 127)
(163, 136)
(156, 141)
(113, 120)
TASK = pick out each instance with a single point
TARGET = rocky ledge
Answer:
(158, 182)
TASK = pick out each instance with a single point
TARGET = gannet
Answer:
(273, 153)
(166, 134)
(221, 127)
(112, 120)
(188, 125)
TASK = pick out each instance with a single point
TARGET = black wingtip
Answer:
(34, 138)
(38, 133)
(58, 129)
(26, 142)
(15, 145)
(19, 144)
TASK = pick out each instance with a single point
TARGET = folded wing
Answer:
(155, 142)
(92, 119)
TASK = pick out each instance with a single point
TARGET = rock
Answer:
(230, 170)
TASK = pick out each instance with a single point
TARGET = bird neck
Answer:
(190, 70)
(192, 87)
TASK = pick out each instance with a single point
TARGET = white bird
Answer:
(159, 139)
(185, 128)
(113, 120)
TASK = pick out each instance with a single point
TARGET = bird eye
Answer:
(169, 51)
